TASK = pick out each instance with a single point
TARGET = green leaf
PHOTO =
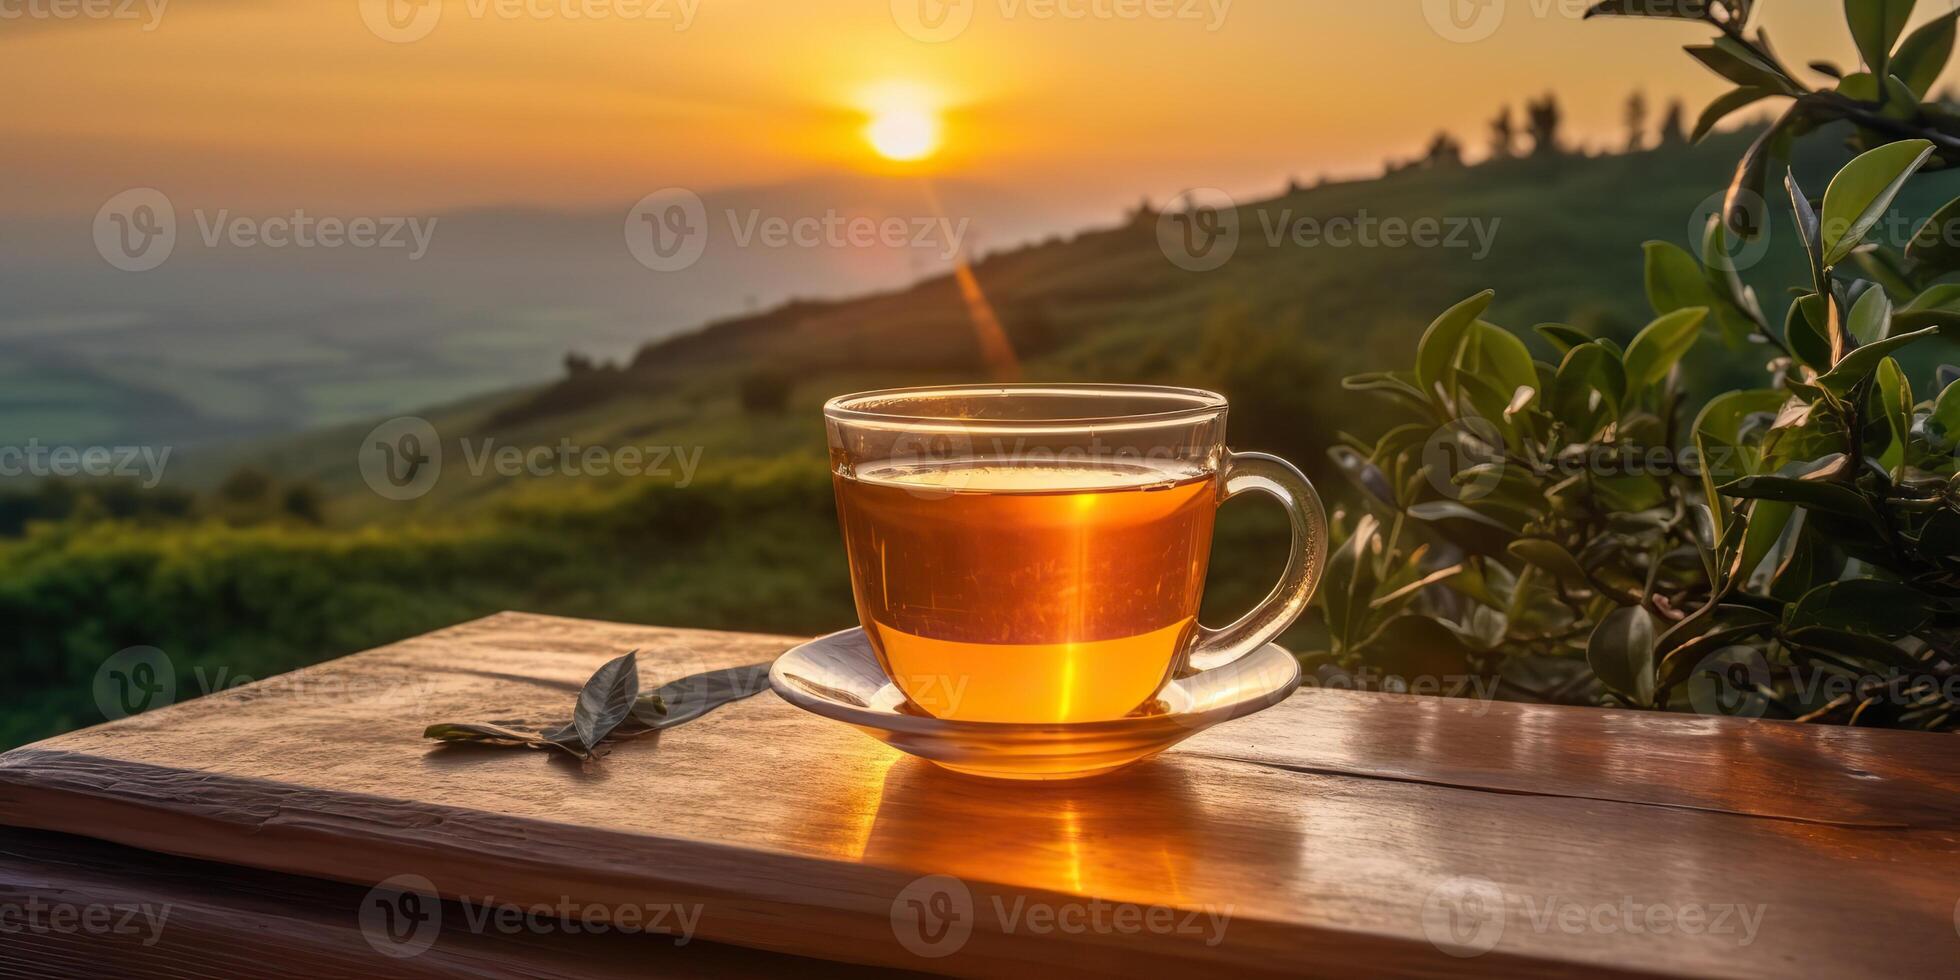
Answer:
(1563, 337)
(1365, 475)
(1859, 364)
(1675, 9)
(1937, 242)
(1504, 357)
(1450, 510)
(1657, 348)
(1735, 62)
(1922, 57)
(1718, 436)
(680, 701)
(1767, 519)
(1833, 498)
(1674, 279)
(1726, 104)
(1871, 317)
(1809, 227)
(1872, 606)
(1943, 426)
(1740, 203)
(1621, 653)
(1588, 388)
(497, 735)
(1876, 25)
(1894, 395)
(1866, 651)
(1862, 192)
(1805, 332)
(1945, 296)
(1437, 353)
(1553, 558)
(607, 699)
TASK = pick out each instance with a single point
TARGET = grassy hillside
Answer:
(249, 582)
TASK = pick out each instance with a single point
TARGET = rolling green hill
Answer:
(252, 584)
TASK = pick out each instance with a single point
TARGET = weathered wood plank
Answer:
(165, 917)
(1333, 829)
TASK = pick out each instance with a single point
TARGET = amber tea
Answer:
(1028, 592)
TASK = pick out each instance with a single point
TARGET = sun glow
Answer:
(903, 135)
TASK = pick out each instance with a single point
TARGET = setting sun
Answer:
(903, 134)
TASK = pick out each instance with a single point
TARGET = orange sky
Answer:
(274, 104)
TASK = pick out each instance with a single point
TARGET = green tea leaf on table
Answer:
(691, 697)
(497, 735)
(610, 707)
(607, 699)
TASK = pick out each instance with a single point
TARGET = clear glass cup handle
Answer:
(1239, 473)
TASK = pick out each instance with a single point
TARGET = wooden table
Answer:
(1335, 834)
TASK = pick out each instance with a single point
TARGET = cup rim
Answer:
(1203, 403)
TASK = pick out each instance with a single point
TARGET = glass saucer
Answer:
(838, 676)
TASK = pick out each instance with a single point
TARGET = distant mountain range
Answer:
(224, 341)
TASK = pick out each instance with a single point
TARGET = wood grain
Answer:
(178, 919)
(1324, 836)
